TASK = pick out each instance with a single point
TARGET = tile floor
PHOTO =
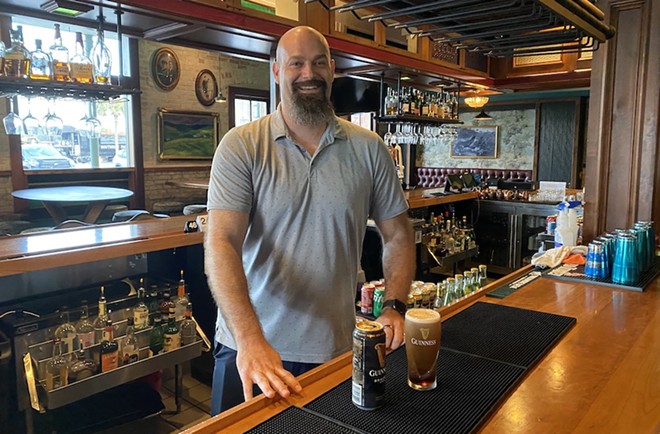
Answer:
(195, 407)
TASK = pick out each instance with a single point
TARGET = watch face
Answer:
(206, 87)
(165, 69)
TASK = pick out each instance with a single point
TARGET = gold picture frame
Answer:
(475, 142)
(187, 135)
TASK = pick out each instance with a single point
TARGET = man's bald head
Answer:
(298, 34)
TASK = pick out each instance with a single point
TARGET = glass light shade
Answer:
(476, 101)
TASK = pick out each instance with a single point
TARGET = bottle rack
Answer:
(59, 89)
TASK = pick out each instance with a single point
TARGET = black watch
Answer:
(397, 305)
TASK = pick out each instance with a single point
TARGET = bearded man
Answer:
(289, 198)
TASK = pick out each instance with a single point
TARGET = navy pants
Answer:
(227, 391)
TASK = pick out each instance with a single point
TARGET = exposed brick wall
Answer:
(6, 201)
(155, 182)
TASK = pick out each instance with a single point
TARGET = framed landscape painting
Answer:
(185, 135)
(475, 142)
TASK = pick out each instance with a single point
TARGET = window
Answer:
(247, 105)
(67, 133)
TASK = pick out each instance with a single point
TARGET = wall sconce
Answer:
(66, 7)
(482, 116)
(220, 97)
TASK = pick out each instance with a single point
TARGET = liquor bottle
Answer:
(405, 101)
(85, 328)
(17, 57)
(66, 333)
(188, 327)
(414, 107)
(99, 322)
(156, 337)
(390, 102)
(165, 304)
(82, 70)
(40, 64)
(454, 107)
(109, 348)
(60, 57)
(2, 58)
(425, 105)
(83, 367)
(171, 336)
(141, 311)
(182, 300)
(154, 304)
(130, 349)
(101, 59)
(57, 368)
(483, 278)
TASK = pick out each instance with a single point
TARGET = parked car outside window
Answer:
(42, 156)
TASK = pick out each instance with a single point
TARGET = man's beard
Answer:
(311, 110)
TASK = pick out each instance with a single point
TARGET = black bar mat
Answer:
(503, 333)
(296, 420)
(468, 389)
(577, 275)
(511, 287)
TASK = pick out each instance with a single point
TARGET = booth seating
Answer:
(428, 177)
(194, 209)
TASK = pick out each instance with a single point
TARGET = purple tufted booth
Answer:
(435, 176)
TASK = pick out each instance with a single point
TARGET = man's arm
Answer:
(399, 270)
(257, 362)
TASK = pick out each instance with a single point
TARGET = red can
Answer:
(367, 299)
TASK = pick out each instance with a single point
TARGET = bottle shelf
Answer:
(416, 119)
(58, 89)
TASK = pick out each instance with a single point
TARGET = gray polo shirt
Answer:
(307, 220)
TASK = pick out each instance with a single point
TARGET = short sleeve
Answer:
(388, 200)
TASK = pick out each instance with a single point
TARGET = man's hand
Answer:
(392, 322)
(260, 364)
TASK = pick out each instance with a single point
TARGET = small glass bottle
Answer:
(57, 368)
(467, 282)
(188, 327)
(459, 286)
(83, 367)
(101, 59)
(483, 278)
(449, 291)
(171, 336)
(141, 311)
(109, 348)
(17, 57)
(99, 322)
(85, 328)
(2, 58)
(182, 300)
(82, 69)
(40, 65)
(156, 337)
(165, 304)
(130, 349)
(66, 333)
(60, 57)
(154, 304)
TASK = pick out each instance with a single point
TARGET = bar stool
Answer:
(194, 209)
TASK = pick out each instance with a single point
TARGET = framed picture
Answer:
(206, 87)
(185, 135)
(475, 142)
(165, 69)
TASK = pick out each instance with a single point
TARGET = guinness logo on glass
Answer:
(425, 333)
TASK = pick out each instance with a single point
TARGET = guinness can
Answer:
(368, 390)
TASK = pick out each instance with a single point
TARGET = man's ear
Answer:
(276, 72)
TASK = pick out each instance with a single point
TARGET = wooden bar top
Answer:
(416, 198)
(49, 249)
(603, 376)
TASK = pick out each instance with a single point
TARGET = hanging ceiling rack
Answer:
(496, 28)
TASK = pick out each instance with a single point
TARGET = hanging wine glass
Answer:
(30, 123)
(388, 135)
(54, 124)
(12, 122)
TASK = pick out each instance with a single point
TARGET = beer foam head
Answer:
(423, 315)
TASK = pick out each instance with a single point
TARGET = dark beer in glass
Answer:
(422, 330)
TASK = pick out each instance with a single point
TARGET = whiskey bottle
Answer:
(109, 348)
(66, 333)
(182, 300)
(101, 59)
(82, 70)
(188, 327)
(141, 311)
(83, 367)
(165, 304)
(156, 337)
(85, 328)
(57, 368)
(40, 65)
(99, 322)
(130, 349)
(171, 336)
(17, 57)
(60, 57)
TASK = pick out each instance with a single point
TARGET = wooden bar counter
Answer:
(603, 376)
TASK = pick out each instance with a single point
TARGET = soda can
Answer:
(379, 298)
(367, 299)
(368, 383)
(550, 224)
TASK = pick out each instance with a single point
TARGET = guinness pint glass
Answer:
(422, 330)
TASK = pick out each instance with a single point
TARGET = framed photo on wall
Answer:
(206, 87)
(187, 135)
(165, 69)
(475, 142)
